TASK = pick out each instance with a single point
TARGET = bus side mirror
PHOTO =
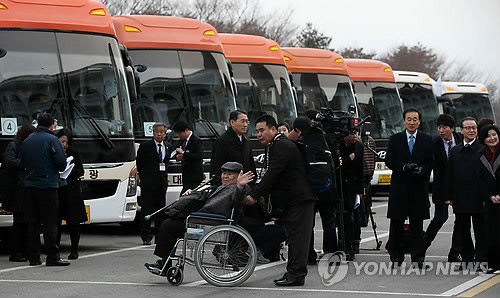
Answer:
(131, 83)
(140, 67)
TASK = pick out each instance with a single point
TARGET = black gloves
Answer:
(412, 168)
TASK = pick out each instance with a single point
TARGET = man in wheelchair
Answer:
(221, 200)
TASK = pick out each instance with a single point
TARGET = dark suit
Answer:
(230, 148)
(439, 188)
(285, 183)
(409, 192)
(192, 163)
(464, 181)
(153, 183)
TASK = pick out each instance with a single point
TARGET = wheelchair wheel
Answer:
(225, 256)
(175, 276)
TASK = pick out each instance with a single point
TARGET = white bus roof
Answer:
(463, 87)
(412, 77)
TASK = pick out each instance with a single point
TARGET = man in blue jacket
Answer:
(43, 157)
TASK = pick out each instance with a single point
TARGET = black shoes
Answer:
(17, 258)
(35, 262)
(157, 268)
(454, 258)
(59, 262)
(285, 282)
(73, 255)
(146, 242)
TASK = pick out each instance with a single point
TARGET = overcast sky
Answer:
(462, 30)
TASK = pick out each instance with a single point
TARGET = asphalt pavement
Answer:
(111, 264)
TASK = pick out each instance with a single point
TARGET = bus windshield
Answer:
(264, 89)
(315, 91)
(380, 101)
(421, 97)
(62, 69)
(177, 81)
(471, 105)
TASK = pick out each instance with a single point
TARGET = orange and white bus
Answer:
(321, 80)
(184, 74)
(63, 57)
(377, 96)
(262, 81)
(465, 99)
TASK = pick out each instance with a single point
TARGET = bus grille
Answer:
(97, 189)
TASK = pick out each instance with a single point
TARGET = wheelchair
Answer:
(223, 253)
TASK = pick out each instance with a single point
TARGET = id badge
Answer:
(162, 167)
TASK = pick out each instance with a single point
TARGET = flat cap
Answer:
(232, 166)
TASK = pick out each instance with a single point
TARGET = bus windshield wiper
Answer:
(86, 115)
(210, 127)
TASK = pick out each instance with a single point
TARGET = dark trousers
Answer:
(75, 230)
(440, 217)
(347, 231)
(396, 239)
(267, 238)
(41, 210)
(17, 238)
(170, 230)
(152, 199)
(298, 224)
(326, 209)
(463, 238)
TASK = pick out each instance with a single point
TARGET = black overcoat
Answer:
(229, 148)
(192, 163)
(285, 178)
(440, 169)
(352, 173)
(464, 179)
(71, 205)
(490, 175)
(409, 193)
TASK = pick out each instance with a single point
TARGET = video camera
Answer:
(338, 123)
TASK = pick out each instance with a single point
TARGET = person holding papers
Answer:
(71, 206)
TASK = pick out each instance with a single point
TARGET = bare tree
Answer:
(352, 52)
(230, 16)
(415, 58)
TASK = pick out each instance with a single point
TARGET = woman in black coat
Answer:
(71, 206)
(490, 174)
(13, 192)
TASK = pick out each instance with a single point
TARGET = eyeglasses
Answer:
(470, 127)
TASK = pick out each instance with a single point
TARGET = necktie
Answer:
(411, 143)
(160, 153)
(184, 144)
(450, 145)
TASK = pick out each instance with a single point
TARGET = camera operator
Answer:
(311, 141)
(351, 177)
(410, 157)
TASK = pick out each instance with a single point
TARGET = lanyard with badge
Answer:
(162, 166)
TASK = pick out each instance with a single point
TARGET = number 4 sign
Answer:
(9, 126)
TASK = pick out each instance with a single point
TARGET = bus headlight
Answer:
(132, 183)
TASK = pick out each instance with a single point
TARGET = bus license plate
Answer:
(384, 179)
(87, 210)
